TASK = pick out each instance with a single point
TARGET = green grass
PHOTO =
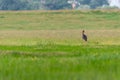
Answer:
(47, 45)
(57, 20)
(61, 62)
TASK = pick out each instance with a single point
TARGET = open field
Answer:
(47, 45)
(57, 20)
(65, 37)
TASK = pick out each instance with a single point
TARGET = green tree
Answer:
(84, 1)
(46, 4)
(8, 4)
(96, 3)
(56, 4)
(15, 5)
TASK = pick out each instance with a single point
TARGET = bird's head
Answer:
(83, 31)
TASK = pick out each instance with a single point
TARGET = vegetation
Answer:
(46, 4)
(53, 62)
(47, 45)
(57, 20)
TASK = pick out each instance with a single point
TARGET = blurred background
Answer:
(58, 4)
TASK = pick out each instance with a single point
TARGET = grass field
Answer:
(47, 45)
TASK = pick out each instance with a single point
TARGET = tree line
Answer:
(48, 4)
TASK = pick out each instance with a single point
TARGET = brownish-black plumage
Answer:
(84, 37)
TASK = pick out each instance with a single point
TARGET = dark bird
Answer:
(84, 37)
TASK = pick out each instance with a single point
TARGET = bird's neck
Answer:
(82, 33)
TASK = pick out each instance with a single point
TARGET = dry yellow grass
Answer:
(59, 27)
(19, 37)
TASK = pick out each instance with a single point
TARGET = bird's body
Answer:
(84, 37)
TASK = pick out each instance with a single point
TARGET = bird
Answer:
(84, 36)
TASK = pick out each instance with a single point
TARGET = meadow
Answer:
(47, 45)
